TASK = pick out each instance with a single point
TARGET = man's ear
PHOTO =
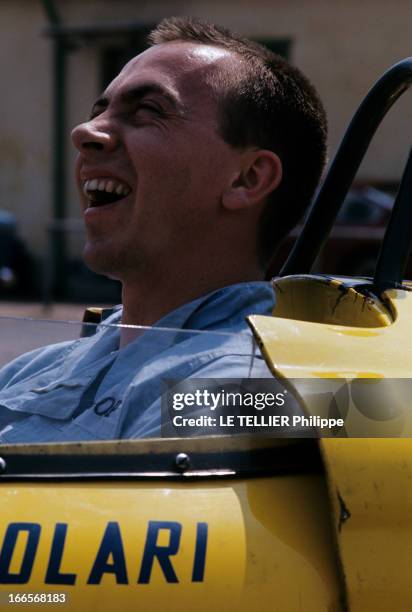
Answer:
(260, 174)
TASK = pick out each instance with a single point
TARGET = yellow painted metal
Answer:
(270, 543)
(317, 355)
(301, 348)
(370, 480)
(374, 480)
(321, 299)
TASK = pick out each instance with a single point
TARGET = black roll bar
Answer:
(325, 208)
(396, 246)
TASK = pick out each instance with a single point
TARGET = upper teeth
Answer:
(106, 184)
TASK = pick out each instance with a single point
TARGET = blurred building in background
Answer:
(57, 55)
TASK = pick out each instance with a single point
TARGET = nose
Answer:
(94, 136)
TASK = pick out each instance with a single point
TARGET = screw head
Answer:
(182, 462)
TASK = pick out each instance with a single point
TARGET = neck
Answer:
(146, 300)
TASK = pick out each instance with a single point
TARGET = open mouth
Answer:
(102, 191)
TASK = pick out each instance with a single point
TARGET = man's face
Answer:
(151, 167)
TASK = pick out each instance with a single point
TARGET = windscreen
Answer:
(67, 382)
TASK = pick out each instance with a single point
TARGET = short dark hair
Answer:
(269, 104)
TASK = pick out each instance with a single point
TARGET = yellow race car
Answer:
(244, 522)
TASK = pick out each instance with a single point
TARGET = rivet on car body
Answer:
(2, 465)
(182, 462)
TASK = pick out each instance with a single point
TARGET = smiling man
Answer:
(179, 159)
(159, 182)
(195, 162)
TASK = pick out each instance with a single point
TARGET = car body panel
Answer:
(239, 542)
(370, 487)
(337, 330)
(305, 344)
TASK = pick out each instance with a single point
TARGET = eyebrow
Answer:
(134, 94)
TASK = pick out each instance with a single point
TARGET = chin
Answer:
(100, 261)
